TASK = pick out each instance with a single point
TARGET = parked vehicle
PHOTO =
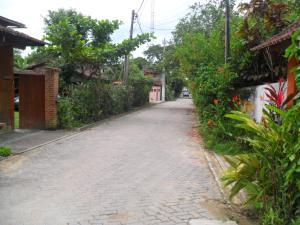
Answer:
(186, 94)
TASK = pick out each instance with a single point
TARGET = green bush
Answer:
(211, 92)
(212, 95)
(89, 101)
(5, 151)
(273, 181)
(94, 100)
(121, 99)
(169, 93)
(65, 113)
(140, 90)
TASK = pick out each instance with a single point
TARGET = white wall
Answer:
(258, 98)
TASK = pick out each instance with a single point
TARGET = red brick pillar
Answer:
(6, 86)
(291, 88)
(51, 93)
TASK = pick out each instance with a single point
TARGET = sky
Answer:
(167, 13)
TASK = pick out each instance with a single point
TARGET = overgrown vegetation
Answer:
(270, 172)
(200, 52)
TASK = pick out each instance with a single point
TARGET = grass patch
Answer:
(5, 151)
(228, 148)
(216, 141)
(17, 120)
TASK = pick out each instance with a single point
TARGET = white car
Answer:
(186, 94)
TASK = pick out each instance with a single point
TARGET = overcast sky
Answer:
(166, 14)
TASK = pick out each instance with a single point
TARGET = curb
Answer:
(216, 177)
(221, 164)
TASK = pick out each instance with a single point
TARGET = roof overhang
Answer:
(283, 36)
(10, 23)
(10, 37)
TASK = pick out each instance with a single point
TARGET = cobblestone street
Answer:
(143, 168)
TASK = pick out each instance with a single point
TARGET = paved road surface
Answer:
(142, 169)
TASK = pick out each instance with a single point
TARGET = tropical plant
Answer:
(242, 174)
(276, 97)
(274, 177)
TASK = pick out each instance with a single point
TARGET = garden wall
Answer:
(254, 99)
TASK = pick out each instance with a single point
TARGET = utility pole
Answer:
(126, 62)
(227, 31)
(152, 15)
(163, 83)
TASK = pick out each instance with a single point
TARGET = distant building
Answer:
(155, 94)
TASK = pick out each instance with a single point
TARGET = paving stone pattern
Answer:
(140, 169)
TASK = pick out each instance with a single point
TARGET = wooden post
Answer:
(7, 91)
(291, 87)
(227, 31)
(126, 63)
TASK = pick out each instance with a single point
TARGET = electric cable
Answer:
(139, 24)
(140, 6)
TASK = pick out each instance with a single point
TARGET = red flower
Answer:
(216, 101)
(210, 122)
(276, 97)
(235, 98)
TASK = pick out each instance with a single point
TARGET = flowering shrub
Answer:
(211, 92)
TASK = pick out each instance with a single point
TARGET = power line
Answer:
(159, 29)
(140, 6)
(139, 24)
(143, 8)
(168, 22)
(178, 11)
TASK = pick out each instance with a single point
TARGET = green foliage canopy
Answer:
(79, 43)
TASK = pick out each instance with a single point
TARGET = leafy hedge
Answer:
(95, 100)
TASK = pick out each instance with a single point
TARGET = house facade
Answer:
(156, 92)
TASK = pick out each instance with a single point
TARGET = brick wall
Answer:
(51, 93)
